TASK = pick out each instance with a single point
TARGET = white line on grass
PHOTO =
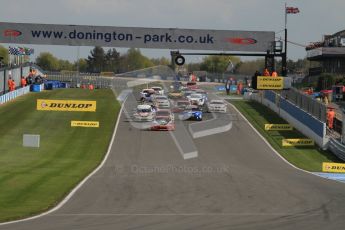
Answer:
(269, 145)
(69, 196)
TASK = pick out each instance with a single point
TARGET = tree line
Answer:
(111, 60)
(100, 60)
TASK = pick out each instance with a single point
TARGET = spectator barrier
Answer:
(304, 122)
(13, 94)
(16, 72)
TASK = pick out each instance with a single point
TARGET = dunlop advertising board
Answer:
(333, 167)
(86, 124)
(66, 105)
(270, 83)
(136, 37)
(278, 127)
(297, 142)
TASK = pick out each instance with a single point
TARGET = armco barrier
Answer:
(12, 95)
(301, 120)
(337, 148)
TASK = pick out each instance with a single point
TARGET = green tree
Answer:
(112, 59)
(193, 67)
(325, 81)
(82, 65)
(134, 60)
(47, 61)
(4, 54)
(249, 67)
(293, 66)
(65, 65)
(96, 61)
(160, 61)
(218, 64)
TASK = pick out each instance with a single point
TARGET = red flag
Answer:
(292, 10)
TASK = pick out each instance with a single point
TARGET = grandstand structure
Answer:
(329, 53)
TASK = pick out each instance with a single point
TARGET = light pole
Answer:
(284, 57)
(78, 57)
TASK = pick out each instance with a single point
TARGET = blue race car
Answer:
(191, 112)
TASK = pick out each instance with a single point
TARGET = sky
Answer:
(316, 18)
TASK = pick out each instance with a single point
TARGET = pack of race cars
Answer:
(189, 102)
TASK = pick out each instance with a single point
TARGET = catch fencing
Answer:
(300, 119)
(77, 81)
(307, 103)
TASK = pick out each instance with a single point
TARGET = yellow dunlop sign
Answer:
(66, 105)
(297, 142)
(91, 124)
(278, 127)
(333, 167)
(270, 82)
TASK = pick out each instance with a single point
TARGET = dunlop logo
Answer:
(88, 124)
(270, 82)
(278, 127)
(333, 167)
(66, 105)
(297, 142)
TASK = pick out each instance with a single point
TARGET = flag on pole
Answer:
(13, 51)
(20, 51)
(291, 10)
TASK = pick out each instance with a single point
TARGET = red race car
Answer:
(164, 120)
(180, 105)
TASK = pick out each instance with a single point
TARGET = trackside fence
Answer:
(303, 121)
(13, 94)
(16, 72)
(76, 81)
(306, 103)
(337, 148)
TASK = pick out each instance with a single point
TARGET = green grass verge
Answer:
(33, 180)
(308, 158)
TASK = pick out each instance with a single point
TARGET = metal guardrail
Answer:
(337, 148)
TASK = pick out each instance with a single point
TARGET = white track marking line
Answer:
(189, 214)
(269, 145)
(69, 196)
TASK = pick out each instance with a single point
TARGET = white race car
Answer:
(162, 102)
(216, 106)
(146, 95)
(196, 99)
(144, 113)
(158, 90)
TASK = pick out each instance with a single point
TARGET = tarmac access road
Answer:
(236, 182)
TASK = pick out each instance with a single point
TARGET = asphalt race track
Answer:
(236, 182)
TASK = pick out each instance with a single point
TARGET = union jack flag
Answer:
(292, 10)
